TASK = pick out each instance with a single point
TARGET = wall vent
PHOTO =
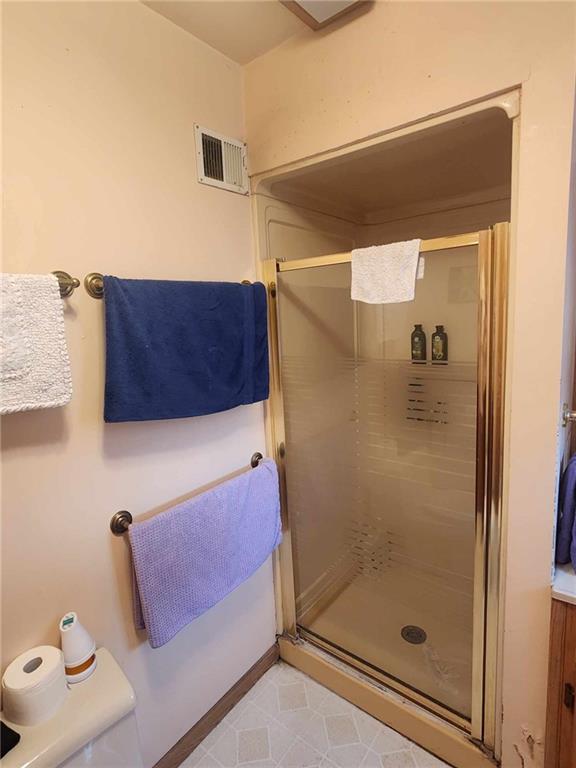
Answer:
(221, 161)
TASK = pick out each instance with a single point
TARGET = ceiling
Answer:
(240, 29)
(465, 160)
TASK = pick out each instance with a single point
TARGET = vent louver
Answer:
(221, 161)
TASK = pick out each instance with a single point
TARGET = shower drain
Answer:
(413, 634)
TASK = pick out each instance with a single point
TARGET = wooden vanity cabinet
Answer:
(561, 718)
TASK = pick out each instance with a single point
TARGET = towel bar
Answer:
(66, 282)
(122, 520)
(94, 284)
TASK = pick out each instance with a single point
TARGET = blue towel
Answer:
(176, 349)
(188, 558)
(566, 528)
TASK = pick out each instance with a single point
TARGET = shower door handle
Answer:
(568, 416)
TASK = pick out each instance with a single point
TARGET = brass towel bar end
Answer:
(122, 520)
(94, 284)
(66, 283)
(255, 459)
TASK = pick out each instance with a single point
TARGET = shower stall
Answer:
(391, 467)
(385, 471)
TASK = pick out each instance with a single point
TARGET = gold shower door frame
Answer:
(492, 309)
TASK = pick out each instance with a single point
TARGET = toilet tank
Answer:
(117, 747)
(95, 726)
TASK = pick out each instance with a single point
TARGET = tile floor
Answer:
(288, 720)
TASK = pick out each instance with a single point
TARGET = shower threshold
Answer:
(379, 696)
(381, 679)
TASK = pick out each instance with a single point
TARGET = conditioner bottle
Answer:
(439, 345)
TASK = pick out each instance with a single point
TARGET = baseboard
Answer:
(188, 743)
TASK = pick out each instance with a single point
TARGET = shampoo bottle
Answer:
(439, 345)
(418, 344)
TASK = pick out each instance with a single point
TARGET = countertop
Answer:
(564, 584)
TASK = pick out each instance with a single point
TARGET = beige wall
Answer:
(402, 62)
(99, 105)
(99, 159)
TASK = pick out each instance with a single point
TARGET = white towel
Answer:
(34, 363)
(385, 274)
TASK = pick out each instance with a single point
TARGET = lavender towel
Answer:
(566, 529)
(189, 557)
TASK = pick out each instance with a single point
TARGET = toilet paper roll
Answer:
(34, 685)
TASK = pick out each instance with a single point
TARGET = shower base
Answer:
(366, 622)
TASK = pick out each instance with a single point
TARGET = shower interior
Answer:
(381, 453)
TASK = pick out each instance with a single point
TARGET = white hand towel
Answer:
(385, 274)
(34, 363)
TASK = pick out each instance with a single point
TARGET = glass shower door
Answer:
(381, 473)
